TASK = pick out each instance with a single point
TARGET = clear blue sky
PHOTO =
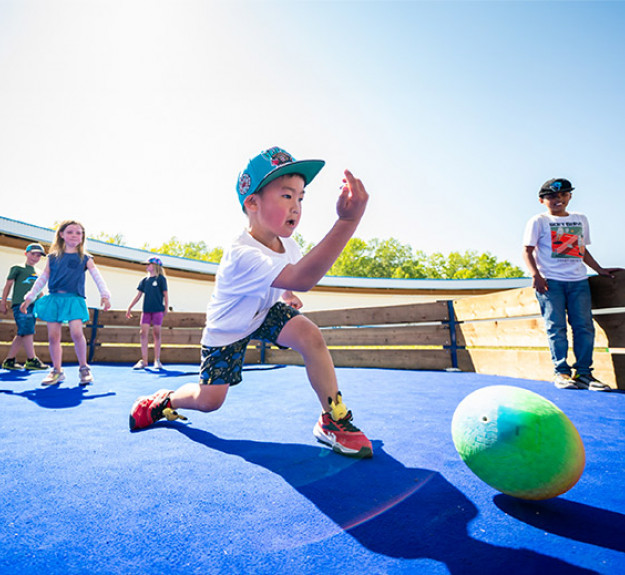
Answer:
(135, 116)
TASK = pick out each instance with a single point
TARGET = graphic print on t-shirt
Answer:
(567, 240)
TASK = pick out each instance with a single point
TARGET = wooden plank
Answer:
(41, 349)
(184, 320)
(181, 336)
(535, 364)
(130, 354)
(526, 332)
(119, 335)
(607, 292)
(511, 303)
(379, 358)
(404, 335)
(172, 319)
(610, 330)
(8, 330)
(503, 333)
(407, 313)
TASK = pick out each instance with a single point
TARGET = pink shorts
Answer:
(152, 318)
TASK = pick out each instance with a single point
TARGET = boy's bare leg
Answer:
(28, 341)
(334, 428)
(18, 341)
(304, 336)
(199, 397)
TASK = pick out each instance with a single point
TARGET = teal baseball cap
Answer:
(272, 164)
(37, 248)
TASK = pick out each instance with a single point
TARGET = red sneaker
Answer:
(336, 430)
(150, 408)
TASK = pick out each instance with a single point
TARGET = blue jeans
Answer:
(572, 299)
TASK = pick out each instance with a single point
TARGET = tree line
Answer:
(377, 258)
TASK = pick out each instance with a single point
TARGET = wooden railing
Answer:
(499, 334)
(503, 333)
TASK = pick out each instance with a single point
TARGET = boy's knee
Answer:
(307, 337)
(210, 398)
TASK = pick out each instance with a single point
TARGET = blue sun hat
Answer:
(272, 164)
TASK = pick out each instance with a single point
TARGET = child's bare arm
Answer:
(350, 208)
(5, 295)
(594, 264)
(539, 283)
(132, 303)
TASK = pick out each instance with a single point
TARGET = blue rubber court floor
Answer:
(248, 490)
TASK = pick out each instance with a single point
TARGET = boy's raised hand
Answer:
(353, 199)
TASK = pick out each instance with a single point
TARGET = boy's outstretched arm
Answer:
(350, 208)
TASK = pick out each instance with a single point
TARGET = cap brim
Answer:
(544, 193)
(307, 168)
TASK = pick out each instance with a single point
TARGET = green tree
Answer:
(191, 250)
(392, 259)
(117, 239)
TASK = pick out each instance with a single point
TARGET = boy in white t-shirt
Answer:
(555, 252)
(263, 266)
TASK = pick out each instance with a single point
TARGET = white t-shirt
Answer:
(243, 294)
(560, 243)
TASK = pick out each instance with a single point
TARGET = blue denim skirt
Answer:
(61, 308)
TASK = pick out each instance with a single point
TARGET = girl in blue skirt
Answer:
(66, 302)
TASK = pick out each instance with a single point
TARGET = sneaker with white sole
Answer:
(150, 408)
(139, 365)
(85, 374)
(564, 381)
(589, 381)
(158, 364)
(336, 430)
(54, 377)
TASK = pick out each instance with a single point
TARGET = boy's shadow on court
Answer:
(390, 509)
(55, 397)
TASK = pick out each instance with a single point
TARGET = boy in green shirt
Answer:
(21, 279)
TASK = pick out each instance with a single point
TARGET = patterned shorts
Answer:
(223, 365)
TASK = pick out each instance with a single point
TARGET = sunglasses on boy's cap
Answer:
(35, 248)
(554, 186)
(272, 164)
(156, 261)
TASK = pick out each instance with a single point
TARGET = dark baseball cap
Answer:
(554, 186)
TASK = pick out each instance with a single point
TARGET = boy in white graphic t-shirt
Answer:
(555, 252)
(263, 266)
